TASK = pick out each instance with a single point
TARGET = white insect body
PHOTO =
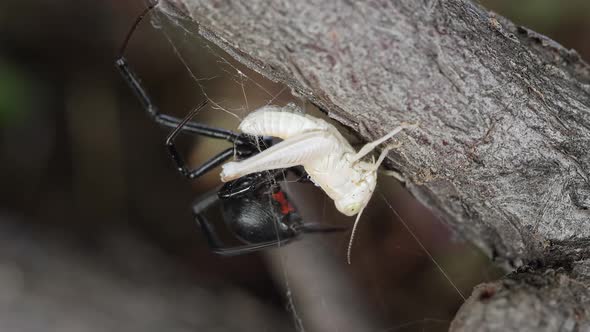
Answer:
(328, 158)
(326, 155)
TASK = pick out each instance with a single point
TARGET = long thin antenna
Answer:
(423, 248)
(135, 25)
(349, 250)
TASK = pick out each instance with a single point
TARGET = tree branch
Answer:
(548, 300)
(501, 153)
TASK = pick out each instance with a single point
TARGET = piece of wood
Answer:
(501, 152)
(531, 300)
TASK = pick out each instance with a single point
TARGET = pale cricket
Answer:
(327, 157)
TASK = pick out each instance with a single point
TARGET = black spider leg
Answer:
(215, 244)
(140, 92)
(243, 144)
(179, 161)
(166, 120)
(314, 227)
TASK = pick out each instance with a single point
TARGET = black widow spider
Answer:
(255, 209)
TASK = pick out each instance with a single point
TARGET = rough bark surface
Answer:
(548, 300)
(501, 150)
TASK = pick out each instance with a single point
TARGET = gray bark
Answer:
(549, 300)
(504, 113)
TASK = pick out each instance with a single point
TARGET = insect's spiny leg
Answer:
(367, 148)
(394, 174)
(384, 154)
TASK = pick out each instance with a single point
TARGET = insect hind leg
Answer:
(367, 148)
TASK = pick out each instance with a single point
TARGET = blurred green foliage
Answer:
(545, 16)
(15, 94)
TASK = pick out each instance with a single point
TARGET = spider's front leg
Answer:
(165, 120)
(179, 125)
(244, 147)
(243, 144)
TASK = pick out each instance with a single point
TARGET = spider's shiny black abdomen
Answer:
(257, 220)
(257, 211)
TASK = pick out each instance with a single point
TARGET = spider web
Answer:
(233, 91)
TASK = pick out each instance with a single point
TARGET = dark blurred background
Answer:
(96, 232)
